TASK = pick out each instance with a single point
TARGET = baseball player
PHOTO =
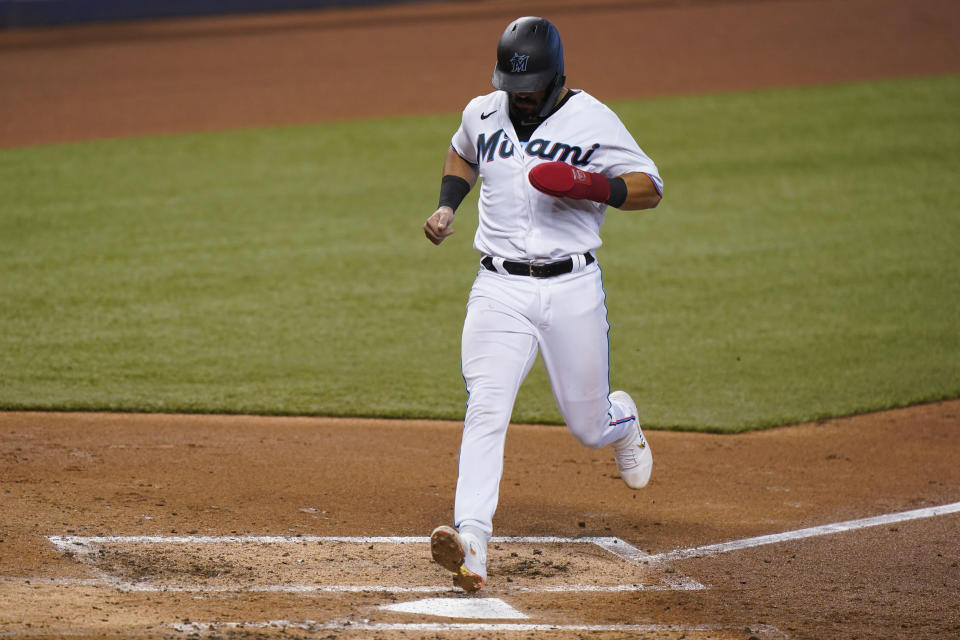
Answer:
(551, 160)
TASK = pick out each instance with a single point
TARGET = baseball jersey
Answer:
(517, 222)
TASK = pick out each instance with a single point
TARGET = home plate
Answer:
(458, 608)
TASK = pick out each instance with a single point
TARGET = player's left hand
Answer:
(439, 225)
(562, 180)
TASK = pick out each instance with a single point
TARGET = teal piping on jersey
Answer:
(655, 185)
(606, 318)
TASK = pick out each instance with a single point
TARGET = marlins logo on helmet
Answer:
(519, 63)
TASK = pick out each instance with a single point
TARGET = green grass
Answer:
(803, 264)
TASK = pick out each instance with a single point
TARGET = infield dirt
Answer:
(166, 476)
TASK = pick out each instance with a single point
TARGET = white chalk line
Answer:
(682, 584)
(84, 544)
(799, 534)
(310, 625)
(763, 630)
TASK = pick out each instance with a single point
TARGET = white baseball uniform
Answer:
(510, 318)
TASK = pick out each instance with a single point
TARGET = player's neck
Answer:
(525, 126)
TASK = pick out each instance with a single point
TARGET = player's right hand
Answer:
(439, 225)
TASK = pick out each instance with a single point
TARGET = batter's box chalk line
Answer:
(764, 631)
(86, 549)
(800, 534)
(82, 547)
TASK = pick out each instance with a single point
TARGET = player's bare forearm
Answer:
(440, 224)
(641, 192)
(454, 165)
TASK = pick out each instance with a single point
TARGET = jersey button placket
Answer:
(528, 163)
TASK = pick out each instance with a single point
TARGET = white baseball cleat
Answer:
(463, 554)
(632, 452)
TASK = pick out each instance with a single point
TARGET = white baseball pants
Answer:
(509, 318)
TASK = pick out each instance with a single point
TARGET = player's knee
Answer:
(589, 435)
(487, 410)
(481, 422)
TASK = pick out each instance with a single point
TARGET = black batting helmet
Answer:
(529, 57)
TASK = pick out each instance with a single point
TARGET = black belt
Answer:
(536, 269)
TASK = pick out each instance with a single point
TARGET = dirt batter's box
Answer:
(342, 564)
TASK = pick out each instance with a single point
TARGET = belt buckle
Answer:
(532, 265)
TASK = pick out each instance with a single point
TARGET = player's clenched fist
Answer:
(565, 181)
(439, 225)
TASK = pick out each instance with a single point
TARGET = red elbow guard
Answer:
(565, 181)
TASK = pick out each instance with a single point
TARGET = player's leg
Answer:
(575, 349)
(499, 346)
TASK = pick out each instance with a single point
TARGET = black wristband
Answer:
(453, 189)
(618, 192)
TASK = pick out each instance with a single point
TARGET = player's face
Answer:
(526, 104)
